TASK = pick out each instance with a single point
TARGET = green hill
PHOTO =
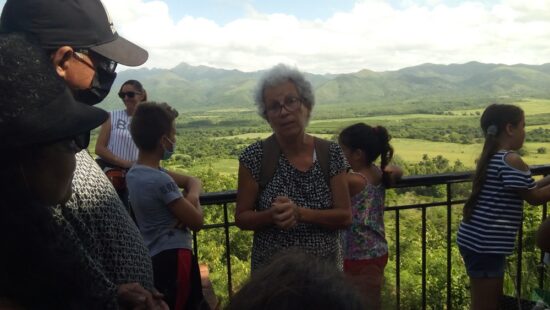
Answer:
(200, 87)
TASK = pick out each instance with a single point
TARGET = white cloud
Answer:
(374, 35)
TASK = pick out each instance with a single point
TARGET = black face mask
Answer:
(101, 85)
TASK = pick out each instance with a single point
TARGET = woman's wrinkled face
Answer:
(286, 112)
(132, 96)
(48, 171)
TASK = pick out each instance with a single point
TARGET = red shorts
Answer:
(370, 270)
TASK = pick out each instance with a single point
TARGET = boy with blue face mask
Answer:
(164, 215)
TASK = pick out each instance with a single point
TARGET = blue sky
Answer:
(224, 11)
(334, 36)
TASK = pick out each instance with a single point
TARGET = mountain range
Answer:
(189, 87)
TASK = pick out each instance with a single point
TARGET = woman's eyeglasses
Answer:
(130, 94)
(290, 104)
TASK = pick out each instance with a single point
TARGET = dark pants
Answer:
(172, 274)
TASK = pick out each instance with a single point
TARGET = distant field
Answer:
(412, 150)
(263, 135)
(223, 165)
(529, 106)
(380, 118)
(409, 150)
(230, 110)
(535, 106)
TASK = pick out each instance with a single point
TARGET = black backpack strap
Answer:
(322, 149)
(270, 158)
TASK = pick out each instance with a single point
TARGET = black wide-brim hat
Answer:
(62, 118)
(77, 23)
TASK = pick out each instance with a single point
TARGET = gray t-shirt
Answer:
(151, 190)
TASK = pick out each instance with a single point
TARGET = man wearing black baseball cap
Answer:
(75, 30)
(85, 49)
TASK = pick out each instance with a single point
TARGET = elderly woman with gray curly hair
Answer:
(291, 187)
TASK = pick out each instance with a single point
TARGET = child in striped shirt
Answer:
(493, 213)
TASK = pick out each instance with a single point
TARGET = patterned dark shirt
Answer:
(96, 219)
(308, 190)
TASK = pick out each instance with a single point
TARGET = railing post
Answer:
(397, 261)
(423, 258)
(227, 250)
(542, 266)
(449, 246)
(519, 260)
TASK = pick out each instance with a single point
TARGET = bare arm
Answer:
(102, 150)
(187, 214)
(544, 181)
(191, 185)
(246, 217)
(395, 174)
(340, 215)
(535, 196)
(355, 183)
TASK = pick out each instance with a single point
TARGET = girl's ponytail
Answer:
(490, 147)
(493, 122)
(374, 142)
(386, 152)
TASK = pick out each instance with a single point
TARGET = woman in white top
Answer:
(115, 148)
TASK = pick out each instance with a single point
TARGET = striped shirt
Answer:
(120, 140)
(498, 212)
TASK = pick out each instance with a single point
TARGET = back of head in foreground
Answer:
(38, 121)
(297, 280)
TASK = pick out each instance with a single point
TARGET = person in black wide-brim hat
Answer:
(84, 47)
(40, 123)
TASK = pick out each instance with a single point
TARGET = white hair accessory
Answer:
(492, 130)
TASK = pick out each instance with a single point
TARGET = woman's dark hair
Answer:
(150, 122)
(296, 280)
(373, 141)
(493, 123)
(137, 85)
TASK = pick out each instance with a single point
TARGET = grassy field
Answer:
(412, 151)
(530, 106)
(409, 150)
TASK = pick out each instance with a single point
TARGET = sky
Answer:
(334, 36)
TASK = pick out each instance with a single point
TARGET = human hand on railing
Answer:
(285, 212)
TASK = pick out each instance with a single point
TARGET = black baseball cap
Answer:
(36, 107)
(77, 23)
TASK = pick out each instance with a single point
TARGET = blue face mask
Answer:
(168, 153)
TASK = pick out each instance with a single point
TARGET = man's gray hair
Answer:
(278, 75)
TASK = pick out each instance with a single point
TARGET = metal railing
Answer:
(223, 199)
